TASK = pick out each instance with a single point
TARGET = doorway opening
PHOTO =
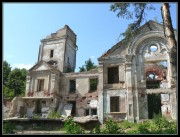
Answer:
(154, 105)
(38, 106)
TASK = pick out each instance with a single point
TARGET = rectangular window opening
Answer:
(130, 109)
(93, 84)
(41, 85)
(51, 54)
(87, 112)
(93, 111)
(114, 104)
(113, 75)
(72, 86)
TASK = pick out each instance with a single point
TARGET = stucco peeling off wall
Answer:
(67, 110)
(93, 103)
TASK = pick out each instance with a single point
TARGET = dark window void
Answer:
(72, 86)
(41, 85)
(87, 112)
(93, 111)
(51, 54)
(114, 104)
(38, 106)
(154, 105)
(113, 75)
(93, 84)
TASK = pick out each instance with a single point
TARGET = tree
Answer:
(169, 34)
(88, 66)
(6, 71)
(16, 82)
(139, 11)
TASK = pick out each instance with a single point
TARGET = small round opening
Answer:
(153, 48)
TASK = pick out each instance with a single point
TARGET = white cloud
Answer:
(26, 66)
(92, 57)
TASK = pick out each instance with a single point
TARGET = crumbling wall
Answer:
(30, 105)
(84, 98)
(18, 108)
(59, 50)
(70, 56)
(7, 103)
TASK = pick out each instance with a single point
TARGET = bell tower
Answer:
(59, 49)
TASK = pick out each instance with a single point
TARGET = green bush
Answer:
(96, 130)
(171, 129)
(144, 127)
(158, 125)
(9, 128)
(73, 128)
(111, 127)
(126, 124)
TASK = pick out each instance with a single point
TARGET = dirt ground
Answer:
(40, 132)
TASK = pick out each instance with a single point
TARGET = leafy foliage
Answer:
(6, 71)
(111, 127)
(72, 128)
(88, 66)
(14, 82)
(125, 12)
(9, 128)
(126, 124)
(158, 125)
(96, 130)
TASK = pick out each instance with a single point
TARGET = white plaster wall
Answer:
(108, 94)
(58, 55)
(71, 53)
(82, 85)
(30, 111)
(20, 103)
(46, 76)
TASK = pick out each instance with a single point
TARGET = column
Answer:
(52, 90)
(128, 65)
(28, 83)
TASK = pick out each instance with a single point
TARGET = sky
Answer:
(97, 28)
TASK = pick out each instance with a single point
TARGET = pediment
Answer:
(121, 48)
(41, 66)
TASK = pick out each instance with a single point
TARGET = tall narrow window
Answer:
(113, 75)
(93, 85)
(72, 86)
(51, 54)
(41, 85)
(114, 104)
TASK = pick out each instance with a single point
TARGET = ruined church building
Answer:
(134, 79)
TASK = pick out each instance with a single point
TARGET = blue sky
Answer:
(97, 28)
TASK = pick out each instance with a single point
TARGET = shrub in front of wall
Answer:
(73, 128)
(111, 127)
(9, 128)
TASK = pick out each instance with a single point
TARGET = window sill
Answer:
(116, 113)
